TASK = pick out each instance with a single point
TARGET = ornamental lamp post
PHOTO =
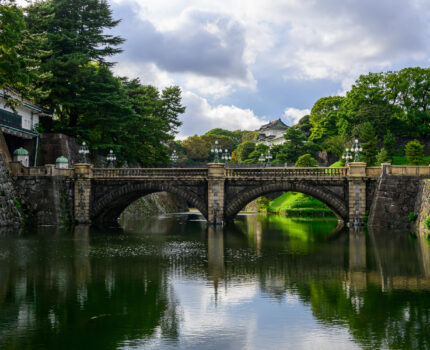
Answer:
(111, 159)
(347, 156)
(262, 159)
(174, 157)
(83, 151)
(226, 156)
(356, 148)
(268, 157)
(216, 150)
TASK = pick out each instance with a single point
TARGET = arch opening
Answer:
(107, 210)
(333, 201)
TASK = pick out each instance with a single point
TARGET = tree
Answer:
(151, 124)
(254, 156)
(383, 157)
(389, 143)
(293, 148)
(234, 136)
(244, 149)
(12, 25)
(196, 148)
(415, 152)
(304, 124)
(77, 36)
(324, 118)
(335, 145)
(370, 147)
(306, 160)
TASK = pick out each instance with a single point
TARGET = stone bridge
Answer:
(219, 193)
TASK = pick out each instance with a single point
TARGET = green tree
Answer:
(12, 25)
(293, 148)
(150, 126)
(304, 124)
(306, 160)
(196, 148)
(415, 152)
(335, 144)
(370, 146)
(244, 150)
(77, 36)
(389, 143)
(383, 157)
(324, 117)
(254, 156)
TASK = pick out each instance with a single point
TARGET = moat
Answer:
(173, 282)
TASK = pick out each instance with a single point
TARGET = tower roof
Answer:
(277, 124)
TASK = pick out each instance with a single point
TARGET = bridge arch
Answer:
(107, 209)
(333, 201)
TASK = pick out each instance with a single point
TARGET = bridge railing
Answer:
(410, 170)
(287, 172)
(149, 172)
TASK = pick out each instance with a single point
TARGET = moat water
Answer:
(171, 282)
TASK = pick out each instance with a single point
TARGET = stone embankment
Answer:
(9, 205)
(423, 207)
(395, 197)
(154, 204)
(46, 200)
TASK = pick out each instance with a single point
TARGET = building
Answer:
(18, 125)
(272, 133)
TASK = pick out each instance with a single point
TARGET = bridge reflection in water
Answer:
(132, 289)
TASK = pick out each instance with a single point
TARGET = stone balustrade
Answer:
(286, 172)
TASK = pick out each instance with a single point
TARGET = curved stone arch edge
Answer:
(136, 191)
(338, 206)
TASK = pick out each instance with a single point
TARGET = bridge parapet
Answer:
(276, 172)
(152, 173)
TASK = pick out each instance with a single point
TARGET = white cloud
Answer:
(148, 73)
(200, 117)
(293, 115)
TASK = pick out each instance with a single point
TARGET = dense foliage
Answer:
(57, 54)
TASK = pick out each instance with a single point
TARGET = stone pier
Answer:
(82, 193)
(357, 192)
(216, 182)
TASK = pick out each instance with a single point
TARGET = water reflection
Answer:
(268, 282)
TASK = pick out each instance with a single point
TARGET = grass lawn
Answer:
(294, 203)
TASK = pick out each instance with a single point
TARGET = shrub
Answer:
(383, 157)
(415, 152)
(306, 160)
(412, 216)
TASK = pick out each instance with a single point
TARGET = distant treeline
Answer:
(380, 110)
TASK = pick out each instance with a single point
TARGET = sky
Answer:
(242, 63)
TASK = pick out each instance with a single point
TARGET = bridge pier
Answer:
(82, 193)
(216, 185)
(357, 192)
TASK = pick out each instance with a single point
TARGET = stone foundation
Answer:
(9, 205)
(422, 207)
(394, 199)
(47, 200)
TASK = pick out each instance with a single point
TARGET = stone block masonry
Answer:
(422, 207)
(9, 212)
(46, 200)
(395, 198)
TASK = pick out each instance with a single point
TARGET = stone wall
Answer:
(155, 203)
(9, 204)
(422, 207)
(53, 146)
(395, 197)
(47, 200)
